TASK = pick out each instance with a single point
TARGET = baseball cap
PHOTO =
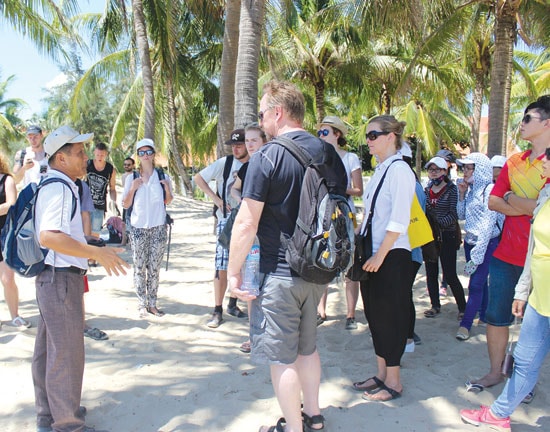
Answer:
(336, 122)
(405, 150)
(447, 155)
(145, 142)
(64, 135)
(438, 162)
(34, 130)
(237, 137)
(465, 161)
(498, 161)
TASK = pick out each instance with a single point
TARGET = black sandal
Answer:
(158, 312)
(313, 420)
(360, 386)
(280, 427)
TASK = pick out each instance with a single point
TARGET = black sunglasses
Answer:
(528, 117)
(373, 135)
(146, 152)
(323, 132)
(262, 113)
(547, 153)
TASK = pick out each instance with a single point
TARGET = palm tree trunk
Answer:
(246, 80)
(146, 69)
(174, 150)
(320, 100)
(227, 74)
(477, 103)
(501, 75)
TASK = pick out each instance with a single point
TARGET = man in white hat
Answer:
(58, 360)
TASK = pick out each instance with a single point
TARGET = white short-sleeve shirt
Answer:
(53, 209)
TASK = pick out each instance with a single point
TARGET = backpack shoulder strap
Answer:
(226, 172)
(295, 150)
(160, 173)
(48, 180)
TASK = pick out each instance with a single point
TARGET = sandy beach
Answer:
(175, 374)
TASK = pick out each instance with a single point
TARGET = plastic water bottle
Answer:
(250, 271)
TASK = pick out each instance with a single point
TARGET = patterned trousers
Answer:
(148, 245)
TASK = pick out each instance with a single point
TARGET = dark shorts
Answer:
(283, 320)
(503, 278)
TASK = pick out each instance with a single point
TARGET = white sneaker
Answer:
(409, 348)
(20, 322)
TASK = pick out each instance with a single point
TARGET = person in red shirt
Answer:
(514, 194)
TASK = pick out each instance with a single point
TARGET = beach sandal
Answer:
(95, 333)
(474, 387)
(432, 313)
(529, 398)
(313, 420)
(360, 386)
(245, 347)
(156, 312)
(394, 394)
(279, 427)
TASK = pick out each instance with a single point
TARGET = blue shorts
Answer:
(283, 320)
(503, 278)
(222, 254)
(97, 220)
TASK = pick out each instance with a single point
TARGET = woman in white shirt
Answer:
(147, 195)
(333, 130)
(387, 292)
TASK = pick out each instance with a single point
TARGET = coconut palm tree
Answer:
(9, 119)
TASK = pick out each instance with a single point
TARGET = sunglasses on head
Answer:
(547, 153)
(146, 152)
(323, 132)
(528, 117)
(373, 135)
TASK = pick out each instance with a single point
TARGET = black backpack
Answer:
(226, 171)
(321, 246)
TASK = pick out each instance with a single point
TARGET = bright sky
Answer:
(33, 71)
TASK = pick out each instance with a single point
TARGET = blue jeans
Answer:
(477, 288)
(532, 347)
(503, 278)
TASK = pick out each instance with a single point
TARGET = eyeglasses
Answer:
(373, 135)
(261, 113)
(434, 170)
(323, 132)
(528, 117)
(146, 152)
(547, 153)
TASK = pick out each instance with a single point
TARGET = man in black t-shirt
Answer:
(101, 176)
(283, 318)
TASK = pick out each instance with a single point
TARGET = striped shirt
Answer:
(444, 207)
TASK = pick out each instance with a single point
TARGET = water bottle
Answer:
(250, 271)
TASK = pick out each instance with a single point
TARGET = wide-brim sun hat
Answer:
(64, 135)
(335, 122)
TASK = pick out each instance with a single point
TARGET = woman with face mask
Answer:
(483, 228)
(441, 200)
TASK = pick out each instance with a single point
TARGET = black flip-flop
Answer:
(377, 384)
(474, 387)
(394, 394)
(158, 313)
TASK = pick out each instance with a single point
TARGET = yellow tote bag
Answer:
(420, 232)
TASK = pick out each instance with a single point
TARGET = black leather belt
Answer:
(71, 269)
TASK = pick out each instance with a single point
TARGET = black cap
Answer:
(237, 137)
(447, 155)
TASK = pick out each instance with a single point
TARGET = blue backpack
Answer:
(20, 246)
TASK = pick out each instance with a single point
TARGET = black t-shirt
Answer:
(98, 182)
(242, 174)
(276, 180)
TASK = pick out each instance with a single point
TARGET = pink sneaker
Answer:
(485, 416)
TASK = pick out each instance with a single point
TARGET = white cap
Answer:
(405, 150)
(64, 135)
(465, 161)
(498, 161)
(145, 142)
(438, 162)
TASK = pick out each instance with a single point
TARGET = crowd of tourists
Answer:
(503, 204)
